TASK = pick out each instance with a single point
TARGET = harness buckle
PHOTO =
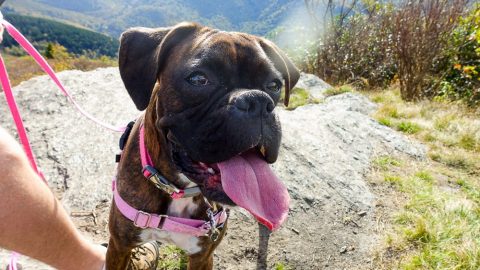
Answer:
(158, 180)
(145, 223)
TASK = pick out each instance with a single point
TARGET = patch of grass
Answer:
(468, 141)
(429, 137)
(282, 266)
(418, 232)
(425, 113)
(385, 121)
(456, 161)
(437, 222)
(172, 258)
(472, 191)
(429, 231)
(338, 90)
(389, 110)
(459, 160)
(21, 68)
(384, 162)
(392, 179)
(442, 123)
(425, 176)
(378, 99)
(435, 156)
(300, 97)
(409, 127)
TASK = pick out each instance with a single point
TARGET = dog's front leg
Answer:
(118, 256)
(200, 261)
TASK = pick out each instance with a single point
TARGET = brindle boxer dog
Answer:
(209, 97)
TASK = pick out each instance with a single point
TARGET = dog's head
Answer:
(213, 93)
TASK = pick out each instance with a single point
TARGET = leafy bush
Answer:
(354, 44)
(461, 62)
(421, 31)
(426, 46)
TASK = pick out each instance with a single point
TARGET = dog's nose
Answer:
(254, 103)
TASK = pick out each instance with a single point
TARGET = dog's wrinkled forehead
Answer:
(230, 53)
(232, 44)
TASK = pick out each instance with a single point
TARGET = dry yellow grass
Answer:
(21, 68)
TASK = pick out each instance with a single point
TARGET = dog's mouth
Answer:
(245, 180)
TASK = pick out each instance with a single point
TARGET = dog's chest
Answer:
(178, 208)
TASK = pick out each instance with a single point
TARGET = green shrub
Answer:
(431, 52)
(460, 65)
(351, 43)
(420, 34)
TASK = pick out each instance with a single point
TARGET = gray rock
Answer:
(313, 84)
(326, 151)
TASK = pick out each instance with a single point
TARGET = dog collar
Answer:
(154, 176)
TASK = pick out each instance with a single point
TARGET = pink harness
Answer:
(144, 220)
(141, 219)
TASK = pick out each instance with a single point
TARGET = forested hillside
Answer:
(76, 40)
(113, 17)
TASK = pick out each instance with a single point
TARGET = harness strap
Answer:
(144, 220)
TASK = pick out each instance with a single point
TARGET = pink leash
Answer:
(46, 67)
(7, 88)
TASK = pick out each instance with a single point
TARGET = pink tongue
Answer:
(251, 184)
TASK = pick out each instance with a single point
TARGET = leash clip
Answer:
(214, 233)
(159, 181)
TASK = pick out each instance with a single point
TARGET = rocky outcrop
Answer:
(326, 151)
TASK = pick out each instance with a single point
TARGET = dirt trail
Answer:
(326, 153)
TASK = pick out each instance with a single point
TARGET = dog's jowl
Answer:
(204, 142)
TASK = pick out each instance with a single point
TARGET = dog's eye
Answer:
(274, 86)
(198, 79)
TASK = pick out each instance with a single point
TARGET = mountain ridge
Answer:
(113, 17)
(79, 41)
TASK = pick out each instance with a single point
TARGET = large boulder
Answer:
(326, 151)
(315, 86)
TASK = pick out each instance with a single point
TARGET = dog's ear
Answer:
(282, 63)
(142, 53)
